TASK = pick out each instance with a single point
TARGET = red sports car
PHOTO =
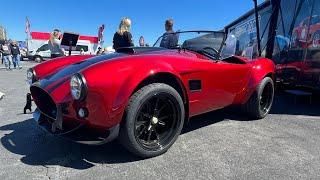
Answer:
(144, 95)
(307, 34)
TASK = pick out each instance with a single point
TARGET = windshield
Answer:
(205, 42)
(234, 47)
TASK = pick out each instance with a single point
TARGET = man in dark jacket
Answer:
(6, 54)
(15, 51)
(169, 39)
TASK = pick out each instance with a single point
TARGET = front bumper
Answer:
(80, 132)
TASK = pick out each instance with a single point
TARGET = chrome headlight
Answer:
(78, 87)
(31, 76)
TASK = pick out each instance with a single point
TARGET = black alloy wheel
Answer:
(260, 102)
(266, 98)
(156, 122)
(153, 121)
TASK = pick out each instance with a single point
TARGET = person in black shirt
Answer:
(6, 54)
(15, 51)
(123, 38)
(169, 39)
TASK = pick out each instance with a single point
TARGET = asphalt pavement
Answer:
(217, 145)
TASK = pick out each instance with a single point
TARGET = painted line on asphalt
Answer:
(308, 117)
(23, 67)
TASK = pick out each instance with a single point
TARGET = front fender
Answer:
(115, 82)
(127, 87)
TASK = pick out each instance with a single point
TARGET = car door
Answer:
(214, 85)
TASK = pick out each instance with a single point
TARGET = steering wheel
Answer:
(217, 54)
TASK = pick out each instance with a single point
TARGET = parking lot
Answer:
(217, 145)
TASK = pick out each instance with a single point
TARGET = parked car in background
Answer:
(43, 52)
(38, 49)
(143, 95)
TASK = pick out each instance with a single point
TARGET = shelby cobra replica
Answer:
(143, 96)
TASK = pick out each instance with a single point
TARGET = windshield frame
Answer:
(198, 31)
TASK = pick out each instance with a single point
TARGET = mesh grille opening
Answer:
(44, 101)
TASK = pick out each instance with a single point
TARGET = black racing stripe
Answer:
(77, 67)
(65, 73)
(57, 85)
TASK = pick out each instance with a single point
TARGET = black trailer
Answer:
(290, 36)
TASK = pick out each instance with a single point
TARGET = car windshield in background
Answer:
(205, 42)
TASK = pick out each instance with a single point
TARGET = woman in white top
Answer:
(54, 44)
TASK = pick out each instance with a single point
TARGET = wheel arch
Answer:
(37, 56)
(171, 80)
(270, 75)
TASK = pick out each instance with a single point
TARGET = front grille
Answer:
(44, 101)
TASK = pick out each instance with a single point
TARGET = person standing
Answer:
(54, 44)
(141, 41)
(99, 52)
(169, 39)
(82, 51)
(15, 51)
(6, 55)
(1, 55)
(123, 38)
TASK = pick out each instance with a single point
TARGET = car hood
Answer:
(66, 72)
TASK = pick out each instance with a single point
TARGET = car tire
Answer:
(259, 104)
(153, 120)
(38, 59)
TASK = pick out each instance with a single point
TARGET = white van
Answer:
(43, 52)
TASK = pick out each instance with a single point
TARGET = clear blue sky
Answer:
(147, 16)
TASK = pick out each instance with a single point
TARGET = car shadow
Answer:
(207, 119)
(41, 148)
(37, 147)
(285, 103)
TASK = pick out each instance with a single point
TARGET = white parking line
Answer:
(23, 67)
(308, 117)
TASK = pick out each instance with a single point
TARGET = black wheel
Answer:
(153, 120)
(260, 102)
(38, 59)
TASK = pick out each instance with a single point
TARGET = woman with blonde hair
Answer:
(54, 44)
(123, 38)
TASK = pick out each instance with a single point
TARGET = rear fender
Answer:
(261, 68)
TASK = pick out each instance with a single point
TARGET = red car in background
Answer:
(144, 95)
(304, 39)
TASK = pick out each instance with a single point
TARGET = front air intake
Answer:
(44, 102)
